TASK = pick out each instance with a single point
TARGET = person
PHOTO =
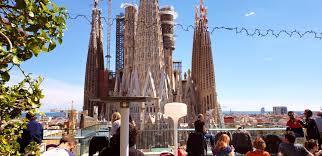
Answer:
(294, 125)
(217, 136)
(200, 128)
(288, 148)
(241, 140)
(66, 145)
(182, 148)
(114, 148)
(312, 146)
(116, 122)
(272, 142)
(131, 121)
(222, 147)
(196, 144)
(312, 131)
(319, 125)
(260, 146)
(34, 132)
(200, 124)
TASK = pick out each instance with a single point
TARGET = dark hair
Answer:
(308, 112)
(240, 127)
(200, 116)
(67, 139)
(133, 133)
(30, 116)
(290, 136)
(310, 144)
(290, 112)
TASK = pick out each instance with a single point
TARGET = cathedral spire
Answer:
(95, 3)
(95, 62)
(203, 74)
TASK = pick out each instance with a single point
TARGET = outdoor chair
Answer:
(97, 143)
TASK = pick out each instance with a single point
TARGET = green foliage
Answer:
(27, 28)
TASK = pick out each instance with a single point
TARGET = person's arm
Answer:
(232, 152)
(279, 154)
(280, 150)
(304, 123)
(304, 151)
(309, 154)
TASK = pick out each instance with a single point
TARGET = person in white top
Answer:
(116, 122)
(66, 145)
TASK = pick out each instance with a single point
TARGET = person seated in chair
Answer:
(114, 147)
(66, 145)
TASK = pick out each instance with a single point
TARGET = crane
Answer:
(109, 29)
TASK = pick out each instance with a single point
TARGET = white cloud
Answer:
(250, 14)
(58, 94)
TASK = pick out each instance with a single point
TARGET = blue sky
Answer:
(251, 72)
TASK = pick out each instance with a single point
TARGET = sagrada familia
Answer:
(149, 70)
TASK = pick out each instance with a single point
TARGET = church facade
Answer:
(149, 70)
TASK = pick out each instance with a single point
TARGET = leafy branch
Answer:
(27, 28)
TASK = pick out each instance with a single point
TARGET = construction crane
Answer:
(109, 29)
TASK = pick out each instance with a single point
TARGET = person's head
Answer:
(30, 116)
(222, 142)
(116, 116)
(308, 113)
(311, 145)
(291, 114)
(67, 142)
(259, 143)
(240, 128)
(201, 117)
(290, 137)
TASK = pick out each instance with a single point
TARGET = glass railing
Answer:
(82, 136)
(158, 140)
(151, 142)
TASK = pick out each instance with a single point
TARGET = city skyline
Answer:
(252, 73)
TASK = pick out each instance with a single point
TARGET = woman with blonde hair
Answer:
(260, 146)
(116, 122)
(222, 147)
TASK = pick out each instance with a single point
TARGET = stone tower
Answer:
(147, 48)
(148, 43)
(95, 75)
(167, 24)
(129, 44)
(203, 74)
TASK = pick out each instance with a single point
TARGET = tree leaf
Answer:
(60, 40)
(5, 76)
(52, 46)
(31, 14)
(16, 60)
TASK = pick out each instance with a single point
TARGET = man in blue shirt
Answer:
(34, 132)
